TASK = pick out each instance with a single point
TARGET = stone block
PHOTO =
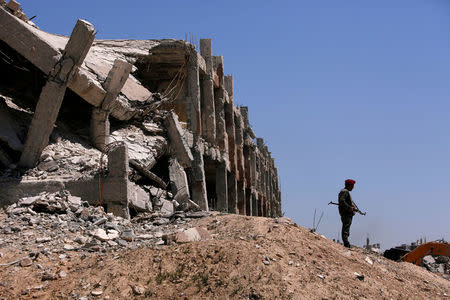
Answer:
(179, 183)
(178, 142)
(139, 199)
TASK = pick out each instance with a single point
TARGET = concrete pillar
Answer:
(207, 99)
(116, 186)
(114, 83)
(254, 199)
(232, 193)
(52, 93)
(221, 131)
(228, 82)
(100, 128)
(218, 67)
(199, 195)
(241, 199)
(267, 184)
(229, 122)
(278, 192)
(221, 187)
(248, 202)
(239, 140)
(258, 181)
(193, 110)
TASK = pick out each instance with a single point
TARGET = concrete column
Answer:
(278, 192)
(258, 181)
(114, 83)
(100, 128)
(232, 193)
(248, 181)
(52, 93)
(239, 140)
(241, 199)
(193, 111)
(254, 200)
(116, 187)
(207, 103)
(218, 67)
(268, 196)
(221, 187)
(229, 121)
(252, 167)
(221, 131)
(199, 195)
(228, 82)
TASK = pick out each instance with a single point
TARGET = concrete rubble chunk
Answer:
(27, 201)
(179, 182)
(178, 143)
(166, 207)
(26, 262)
(192, 235)
(139, 198)
(428, 260)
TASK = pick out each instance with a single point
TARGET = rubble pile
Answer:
(59, 222)
(437, 264)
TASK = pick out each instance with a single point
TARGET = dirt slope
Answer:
(247, 258)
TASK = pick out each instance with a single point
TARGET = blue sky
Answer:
(338, 89)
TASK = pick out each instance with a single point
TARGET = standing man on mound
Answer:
(347, 210)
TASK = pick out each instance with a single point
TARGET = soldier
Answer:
(346, 209)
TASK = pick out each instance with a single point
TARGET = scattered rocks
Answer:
(62, 274)
(48, 276)
(127, 235)
(138, 289)
(96, 293)
(359, 276)
(26, 262)
(67, 223)
(438, 264)
(190, 235)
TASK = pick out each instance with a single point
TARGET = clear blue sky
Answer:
(338, 89)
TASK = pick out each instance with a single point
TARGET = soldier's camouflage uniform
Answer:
(345, 205)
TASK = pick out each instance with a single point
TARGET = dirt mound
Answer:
(245, 258)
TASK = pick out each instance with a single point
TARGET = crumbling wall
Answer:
(164, 132)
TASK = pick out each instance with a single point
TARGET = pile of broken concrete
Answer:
(437, 264)
(59, 222)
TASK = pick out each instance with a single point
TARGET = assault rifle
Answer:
(356, 208)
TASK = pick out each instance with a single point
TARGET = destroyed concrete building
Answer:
(132, 125)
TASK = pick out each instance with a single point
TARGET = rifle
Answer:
(356, 208)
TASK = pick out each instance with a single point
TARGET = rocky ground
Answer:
(55, 246)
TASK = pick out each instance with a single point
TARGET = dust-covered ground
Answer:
(245, 258)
